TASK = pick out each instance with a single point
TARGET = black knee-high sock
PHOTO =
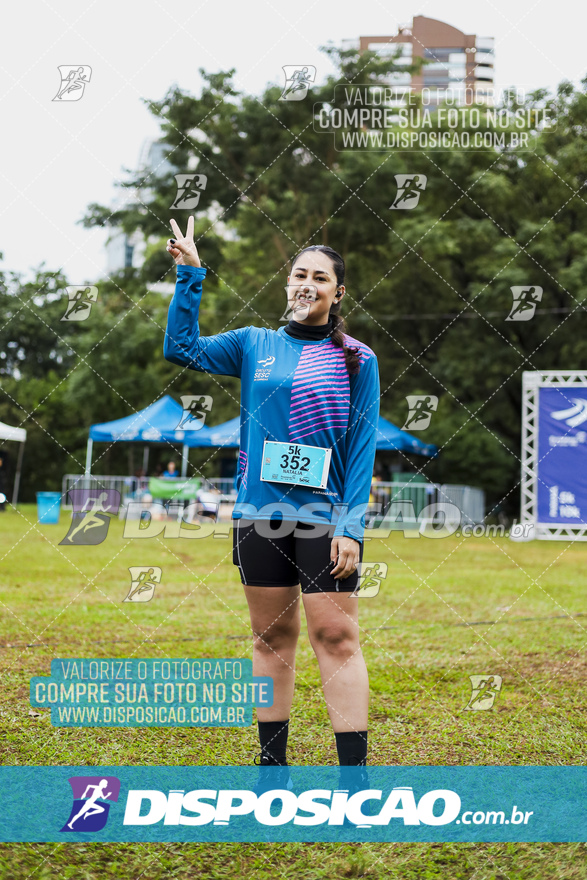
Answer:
(273, 739)
(352, 748)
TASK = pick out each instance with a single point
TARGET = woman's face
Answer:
(312, 288)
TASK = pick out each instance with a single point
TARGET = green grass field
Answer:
(450, 608)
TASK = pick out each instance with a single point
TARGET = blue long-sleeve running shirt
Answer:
(295, 391)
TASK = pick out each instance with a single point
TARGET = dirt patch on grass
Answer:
(561, 665)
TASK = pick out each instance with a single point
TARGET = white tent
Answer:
(19, 434)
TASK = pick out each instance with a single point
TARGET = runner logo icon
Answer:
(79, 303)
(409, 189)
(484, 690)
(421, 408)
(297, 81)
(90, 808)
(525, 300)
(143, 582)
(195, 409)
(92, 509)
(189, 189)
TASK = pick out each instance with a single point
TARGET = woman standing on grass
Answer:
(299, 513)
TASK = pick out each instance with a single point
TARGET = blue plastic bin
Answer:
(48, 507)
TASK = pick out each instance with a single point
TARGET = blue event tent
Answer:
(389, 436)
(158, 423)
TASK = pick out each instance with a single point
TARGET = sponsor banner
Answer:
(562, 456)
(173, 488)
(280, 804)
(179, 692)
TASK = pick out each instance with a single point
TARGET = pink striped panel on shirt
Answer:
(320, 396)
(242, 467)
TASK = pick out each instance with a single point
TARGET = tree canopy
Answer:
(428, 289)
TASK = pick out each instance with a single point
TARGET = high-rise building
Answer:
(459, 66)
(126, 251)
(123, 251)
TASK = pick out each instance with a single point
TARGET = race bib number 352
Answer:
(295, 464)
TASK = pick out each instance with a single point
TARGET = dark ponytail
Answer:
(351, 355)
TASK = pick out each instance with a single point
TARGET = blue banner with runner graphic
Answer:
(280, 804)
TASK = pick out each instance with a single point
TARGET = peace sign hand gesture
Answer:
(182, 248)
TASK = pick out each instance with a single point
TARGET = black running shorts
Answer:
(275, 559)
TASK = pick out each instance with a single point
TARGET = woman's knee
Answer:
(337, 640)
(278, 636)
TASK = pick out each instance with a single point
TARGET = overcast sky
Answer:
(57, 158)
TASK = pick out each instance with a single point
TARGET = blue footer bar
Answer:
(281, 804)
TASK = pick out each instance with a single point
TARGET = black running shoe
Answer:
(271, 775)
(354, 778)
(264, 760)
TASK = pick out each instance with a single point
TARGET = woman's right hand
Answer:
(183, 248)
